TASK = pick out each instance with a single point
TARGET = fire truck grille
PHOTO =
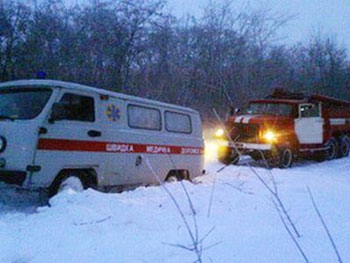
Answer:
(245, 132)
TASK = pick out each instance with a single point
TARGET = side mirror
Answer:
(233, 111)
(58, 112)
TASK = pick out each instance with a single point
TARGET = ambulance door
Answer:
(151, 145)
(309, 125)
(69, 137)
(120, 150)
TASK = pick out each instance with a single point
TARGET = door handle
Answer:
(42, 130)
(94, 133)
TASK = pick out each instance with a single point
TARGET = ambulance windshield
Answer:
(280, 109)
(22, 103)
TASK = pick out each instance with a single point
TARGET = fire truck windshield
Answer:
(22, 103)
(280, 109)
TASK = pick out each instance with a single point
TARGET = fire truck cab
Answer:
(285, 126)
(55, 133)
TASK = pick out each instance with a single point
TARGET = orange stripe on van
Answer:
(115, 147)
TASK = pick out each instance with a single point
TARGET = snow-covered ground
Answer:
(235, 219)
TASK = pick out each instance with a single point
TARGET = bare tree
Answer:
(225, 57)
(13, 25)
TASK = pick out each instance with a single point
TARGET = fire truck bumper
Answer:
(250, 146)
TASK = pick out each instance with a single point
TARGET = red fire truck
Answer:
(284, 126)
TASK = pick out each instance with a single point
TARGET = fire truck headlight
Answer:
(219, 133)
(270, 136)
(2, 144)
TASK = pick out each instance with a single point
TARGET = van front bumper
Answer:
(13, 177)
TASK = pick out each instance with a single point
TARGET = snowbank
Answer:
(144, 225)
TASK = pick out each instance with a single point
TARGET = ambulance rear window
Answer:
(177, 122)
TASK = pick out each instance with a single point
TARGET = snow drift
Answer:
(234, 218)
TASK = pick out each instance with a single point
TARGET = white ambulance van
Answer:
(55, 133)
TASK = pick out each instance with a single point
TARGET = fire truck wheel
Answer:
(286, 158)
(282, 158)
(332, 151)
(257, 155)
(344, 146)
(228, 156)
(320, 156)
(273, 158)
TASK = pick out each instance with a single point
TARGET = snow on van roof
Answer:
(101, 91)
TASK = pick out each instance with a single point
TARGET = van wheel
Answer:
(332, 150)
(172, 179)
(76, 180)
(71, 182)
(177, 175)
(344, 146)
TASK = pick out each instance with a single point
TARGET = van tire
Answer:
(177, 175)
(87, 179)
(172, 179)
(71, 182)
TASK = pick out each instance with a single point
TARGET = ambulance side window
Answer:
(141, 117)
(78, 108)
(178, 122)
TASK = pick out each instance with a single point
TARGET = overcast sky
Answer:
(332, 17)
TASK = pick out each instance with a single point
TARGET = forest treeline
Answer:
(225, 56)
